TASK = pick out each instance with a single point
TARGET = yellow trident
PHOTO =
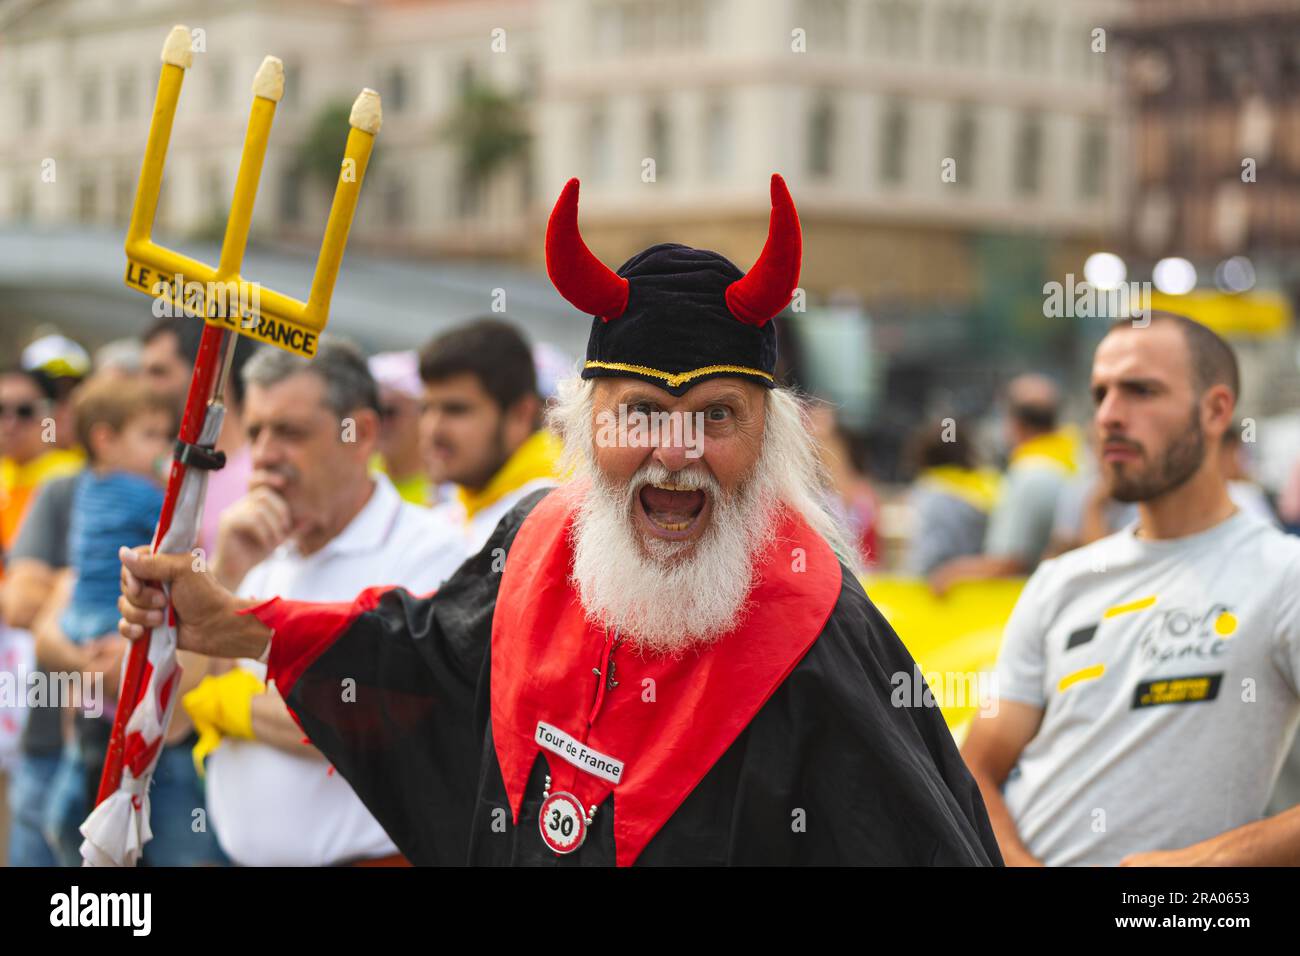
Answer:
(230, 305)
(220, 295)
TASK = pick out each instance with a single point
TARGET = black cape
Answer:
(827, 772)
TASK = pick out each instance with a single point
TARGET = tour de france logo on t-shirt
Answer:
(1165, 640)
(1183, 633)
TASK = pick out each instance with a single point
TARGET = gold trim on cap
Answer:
(676, 378)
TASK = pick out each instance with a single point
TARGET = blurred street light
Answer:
(1105, 270)
(1235, 275)
(1174, 276)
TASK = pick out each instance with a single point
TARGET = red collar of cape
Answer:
(669, 719)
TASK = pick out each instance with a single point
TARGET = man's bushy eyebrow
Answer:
(641, 393)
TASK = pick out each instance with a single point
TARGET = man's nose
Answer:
(1108, 414)
(672, 455)
(265, 451)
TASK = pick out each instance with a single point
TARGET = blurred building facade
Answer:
(77, 80)
(858, 103)
(490, 105)
(1216, 93)
(1214, 89)
(948, 156)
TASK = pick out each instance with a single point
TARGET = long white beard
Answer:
(657, 598)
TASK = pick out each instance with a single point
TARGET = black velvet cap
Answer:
(677, 330)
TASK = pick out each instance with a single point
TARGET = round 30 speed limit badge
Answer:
(563, 823)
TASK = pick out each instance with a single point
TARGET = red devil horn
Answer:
(767, 288)
(590, 285)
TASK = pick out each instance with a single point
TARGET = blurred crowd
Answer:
(354, 470)
(340, 472)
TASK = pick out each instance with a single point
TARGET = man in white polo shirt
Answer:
(1149, 683)
(316, 525)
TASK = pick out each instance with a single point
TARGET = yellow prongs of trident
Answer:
(220, 295)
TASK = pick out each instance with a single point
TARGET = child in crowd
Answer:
(126, 430)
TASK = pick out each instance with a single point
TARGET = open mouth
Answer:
(671, 510)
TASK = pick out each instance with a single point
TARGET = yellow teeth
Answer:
(670, 486)
(678, 526)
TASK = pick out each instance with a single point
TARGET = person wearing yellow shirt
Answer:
(29, 455)
(951, 498)
(1044, 458)
(480, 424)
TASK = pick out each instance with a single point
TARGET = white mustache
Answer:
(688, 479)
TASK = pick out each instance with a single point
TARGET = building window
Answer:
(218, 84)
(87, 205)
(822, 138)
(293, 84)
(396, 92)
(123, 195)
(826, 22)
(894, 28)
(606, 24)
(649, 26)
(636, 27)
(599, 160)
(1287, 51)
(1029, 156)
(465, 77)
(717, 141)
(964, 145)
(163, 215)
(1092, 160)
(1227, 67)
(90, 100)
(972, 35)
(291, 197)
(214, 186)
(32, 104)
(125, 93)
(395, 204)
(893, 144)
(468, 197)
(1032, 37)
(530, 78)
(659, 144)
(947, 33)
(24, 202)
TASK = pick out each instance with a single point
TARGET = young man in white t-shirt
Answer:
(1149, 683)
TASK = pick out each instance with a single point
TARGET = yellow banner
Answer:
(954, 639)
(1249, 314)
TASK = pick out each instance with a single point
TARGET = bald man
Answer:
(1042, 463)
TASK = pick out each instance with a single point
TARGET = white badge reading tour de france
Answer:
(562, 820)
(577, 753)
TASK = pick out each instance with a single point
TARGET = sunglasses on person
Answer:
(23, 411)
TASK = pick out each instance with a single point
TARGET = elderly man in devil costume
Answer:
(666, 660)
